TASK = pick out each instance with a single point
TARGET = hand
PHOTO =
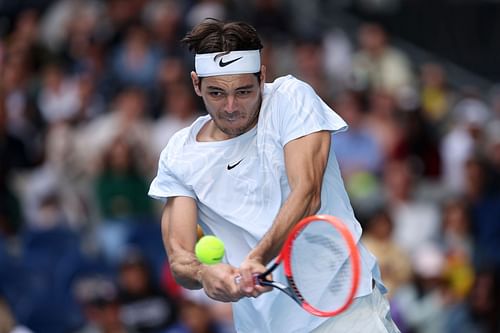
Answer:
(247, 284)
(218, 282)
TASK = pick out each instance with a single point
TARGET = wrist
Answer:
(199, 273)
(255, 257)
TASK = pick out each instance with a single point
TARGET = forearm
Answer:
(301, 202)
(179, 226)
(179, 237)
(185, 268)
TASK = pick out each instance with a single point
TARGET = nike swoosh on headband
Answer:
(224, 64)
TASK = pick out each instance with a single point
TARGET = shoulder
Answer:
(184, 136)
(288, 86)
(188, 134)
(179, 137)
(288, 94)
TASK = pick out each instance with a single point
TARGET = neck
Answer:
(210, 132)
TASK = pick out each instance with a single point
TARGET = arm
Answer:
(305, 160)
(179, 221)
(178, 224)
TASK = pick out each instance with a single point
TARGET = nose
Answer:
(230, 104)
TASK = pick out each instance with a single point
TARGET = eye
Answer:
(215, 93)
(244, 92)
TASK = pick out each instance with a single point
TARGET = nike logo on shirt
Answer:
(229, 166)
(224, 64)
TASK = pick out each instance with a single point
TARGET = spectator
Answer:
(14, 154)
(462, 141)
(91, 103)
(309, 64)
(23, 42)
(416, 221)
(126, 118)
(383, 122)
(456, 239)
(421, 143)
(58, 99)
(22, 119)
(179, 111)
(359, 153)
(135, 61)
(436, 96)
(379, 66)
(56, 175)
(357, 150)
(144, 307)
(456, 228)
(485, 211)
(119, 184)
(83, 32)
(338, 57)
(423, 303)
(98, 297)
(164, 19)
(196, 317)
(121, 198)
(120, 15)
(393, 260)
(480, 313)
(62, 18)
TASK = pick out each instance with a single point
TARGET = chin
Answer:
(233, 131)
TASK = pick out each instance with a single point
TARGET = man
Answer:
(260, 161)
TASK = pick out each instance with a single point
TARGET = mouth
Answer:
(232, 118)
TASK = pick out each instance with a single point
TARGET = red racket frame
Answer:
(285, 257)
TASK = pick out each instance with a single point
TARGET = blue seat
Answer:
(147, 238)
(52, 243)
(70, 269)
(33, 288)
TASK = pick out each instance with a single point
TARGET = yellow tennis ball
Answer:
(209, 250)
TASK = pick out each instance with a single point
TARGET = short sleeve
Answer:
(166, 183)
(302, 112)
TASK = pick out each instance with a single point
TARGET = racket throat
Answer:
(284, 288)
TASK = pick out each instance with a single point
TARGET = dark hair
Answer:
(213, 35)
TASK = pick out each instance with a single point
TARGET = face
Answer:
(233, 101)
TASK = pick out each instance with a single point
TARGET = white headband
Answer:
(234, 62)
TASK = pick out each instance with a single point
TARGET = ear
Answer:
(196, 83)
(262, 76)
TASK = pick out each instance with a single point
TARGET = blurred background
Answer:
(91, 91)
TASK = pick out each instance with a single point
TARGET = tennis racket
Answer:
(321, 264)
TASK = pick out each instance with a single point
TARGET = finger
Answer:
(269, 277)
(263, 289)
(259, 290)
(247, 281)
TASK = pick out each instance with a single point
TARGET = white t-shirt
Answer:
(241, 183)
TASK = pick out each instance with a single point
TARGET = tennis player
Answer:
(261, 160)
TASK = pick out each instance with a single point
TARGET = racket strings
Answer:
(321, 266)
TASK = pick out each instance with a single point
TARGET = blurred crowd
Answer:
(90, 93)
